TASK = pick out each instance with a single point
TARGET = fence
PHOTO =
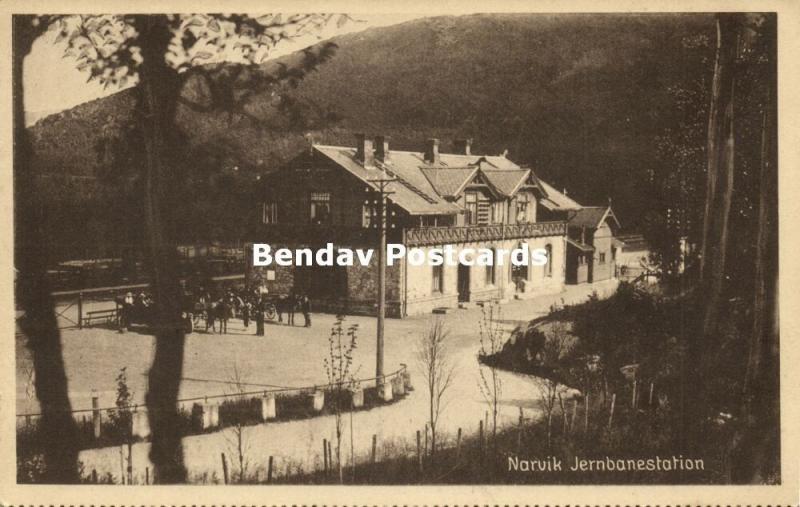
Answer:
(203, 413)
(86, 307)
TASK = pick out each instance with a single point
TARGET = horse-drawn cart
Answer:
(140, 312)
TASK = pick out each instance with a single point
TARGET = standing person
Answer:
(291, 303)
(280, 306)
(246, 308)
(211, 311)
(223, 310)
(305, 306)
(259, 309)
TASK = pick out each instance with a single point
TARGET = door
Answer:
(463, 283)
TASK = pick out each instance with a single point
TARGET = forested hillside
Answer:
(593, 103)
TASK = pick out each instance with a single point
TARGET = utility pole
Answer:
(382, 219)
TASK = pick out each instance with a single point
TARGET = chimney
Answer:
(311, 142)
(381, 148)
(462, 146)
(432, 151)
(364, 153)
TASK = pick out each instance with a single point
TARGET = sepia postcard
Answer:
(385, 253)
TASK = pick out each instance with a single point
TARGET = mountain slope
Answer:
(580, 98)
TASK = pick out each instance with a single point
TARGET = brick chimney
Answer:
(462, 146)
(381, 148)
(432, 151)
(364, 153)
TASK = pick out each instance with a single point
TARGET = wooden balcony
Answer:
(423, 236)
(317, 235)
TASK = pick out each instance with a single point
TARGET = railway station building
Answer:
(332, 194)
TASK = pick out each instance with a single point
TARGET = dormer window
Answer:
(522, 208)
(471, 206)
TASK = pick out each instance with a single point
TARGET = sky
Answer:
(53, 83)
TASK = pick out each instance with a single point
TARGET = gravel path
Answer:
(294, 357)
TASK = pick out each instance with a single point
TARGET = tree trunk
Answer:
(757, 450)
(719, 189)
(714, 245)
(158, 92)
(40, 326)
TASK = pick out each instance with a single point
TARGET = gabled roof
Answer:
(449, 181)
(556, 200)
(590, 216)
(411, 190)
(427, 188)
(507, 182)
(583, 247)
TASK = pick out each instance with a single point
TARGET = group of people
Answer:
(247, 304)
(252, 305)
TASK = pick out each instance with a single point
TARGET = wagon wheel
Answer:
(270, 312)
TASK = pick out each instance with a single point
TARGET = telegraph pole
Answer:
(382, 222)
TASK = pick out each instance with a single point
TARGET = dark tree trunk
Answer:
(39, 324)
(756, 455)
(158, 92)
(719, 190)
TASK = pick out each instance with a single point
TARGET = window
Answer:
(497, 212)
(369, 214)
(320, 211)
(522, 208)
(438, 279)
(602, 258)
(491, 272)
(269, 213)
(548, 268)
(471, 205)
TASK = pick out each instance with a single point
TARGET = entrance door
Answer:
(463, 283)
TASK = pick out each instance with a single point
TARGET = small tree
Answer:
(341, 382)
(238, 441)
(122, 417)
(492, 337)
(557, 343)
(432, 355)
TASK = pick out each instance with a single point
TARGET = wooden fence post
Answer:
(425, 449)
(480, 436)
(586, 414)
(650, 398)
(94, 476)
(419, 452)
(574, 414)
(80, 310)
(633, 395)
(611, 413)
(330, 457)
(130, 462)
(374, 447)
(325, 455)
(458, 443)
(224, 468)
(269, 470)
(96, 416)
(122, 464)
(147, 475)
